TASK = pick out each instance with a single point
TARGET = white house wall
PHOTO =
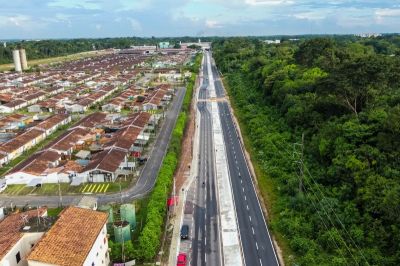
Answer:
(99, 252)
(23, 246)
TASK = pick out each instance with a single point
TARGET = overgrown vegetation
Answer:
(338, 204)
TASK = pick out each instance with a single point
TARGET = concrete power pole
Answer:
(59, 193)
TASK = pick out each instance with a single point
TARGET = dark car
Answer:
(185, 231)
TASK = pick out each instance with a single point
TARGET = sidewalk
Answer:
(177, 219)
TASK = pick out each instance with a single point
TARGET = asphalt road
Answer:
(205, 241)
(255, 239)
(146, 179)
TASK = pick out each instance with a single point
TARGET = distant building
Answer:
(368, 35)
(142, 49)
(203, 45)
(79, 237)
(272, 41)
(163, 45)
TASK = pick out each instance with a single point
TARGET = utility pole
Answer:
(59, 193)
(120, 190)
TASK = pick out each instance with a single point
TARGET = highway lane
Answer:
(146, 179)
(255, 239)
(205, 242)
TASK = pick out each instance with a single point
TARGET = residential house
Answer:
(79, 237)
(15, 244)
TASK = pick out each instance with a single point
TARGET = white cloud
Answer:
(98, 26)
(387, 16)
(86, 4)
(387, 12)
(346, 21)
(212, 24)
(136, 26)
(310, 15)
(21, 21)
(268, 2)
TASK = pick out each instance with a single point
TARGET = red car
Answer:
(181, 259)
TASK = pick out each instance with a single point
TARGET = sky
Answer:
(42, 19)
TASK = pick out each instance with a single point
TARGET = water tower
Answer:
(17, 61)
(24, 62)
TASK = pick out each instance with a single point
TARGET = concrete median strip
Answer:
(229, 228)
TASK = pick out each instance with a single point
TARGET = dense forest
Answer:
(321, 118)
(51, 48)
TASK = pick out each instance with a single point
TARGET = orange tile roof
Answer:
(71, 238)
(10, 229)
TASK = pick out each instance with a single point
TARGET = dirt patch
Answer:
(187, 149)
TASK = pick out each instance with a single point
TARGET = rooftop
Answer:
(10, 228)
(71, 238)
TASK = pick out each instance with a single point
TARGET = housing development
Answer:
(97, 127)
(266, 133)
(85, 143)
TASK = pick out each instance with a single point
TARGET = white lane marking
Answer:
(260, 262)
(252, 229)
(247, 207)
(243, 189)
(245, 198)
(256, 246)
(250, 218)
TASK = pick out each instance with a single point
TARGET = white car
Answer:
(3, 185)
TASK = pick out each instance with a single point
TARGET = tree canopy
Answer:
(339, 203)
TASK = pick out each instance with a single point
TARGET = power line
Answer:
(337, 217)
(332, 223)
(323, 222)
(300, 163)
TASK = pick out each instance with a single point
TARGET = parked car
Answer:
(182, 259)
(185, 231)
(3, 185)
